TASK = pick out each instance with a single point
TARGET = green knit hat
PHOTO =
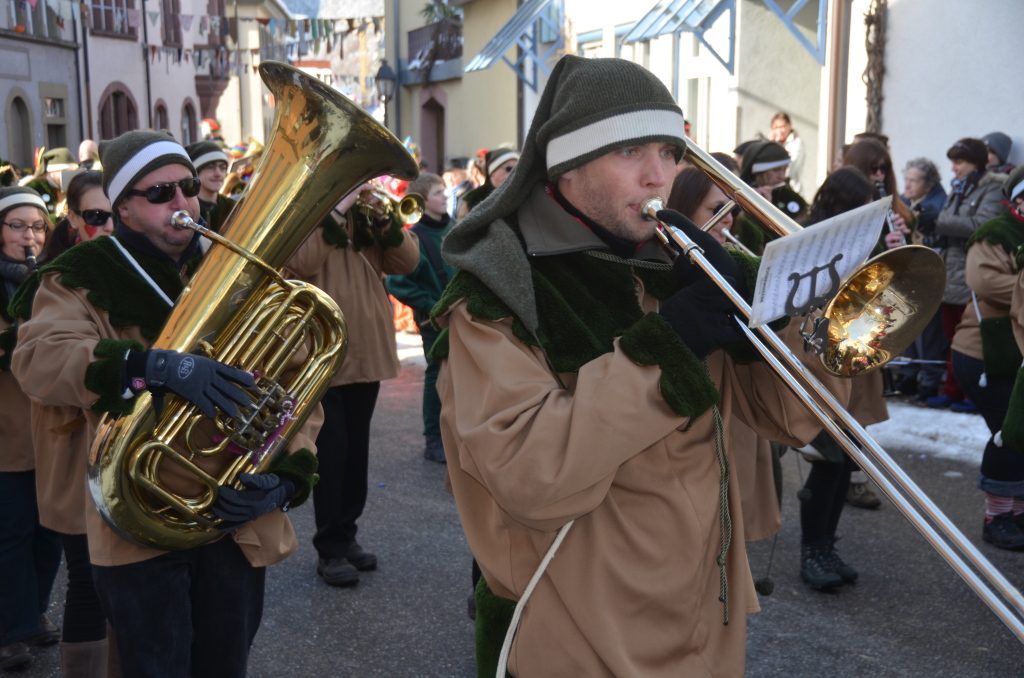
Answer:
(762, 156)
(57, 159)
(133, 155)
(498, 157)
(18, 196)
(205, 152)
(1014, 185)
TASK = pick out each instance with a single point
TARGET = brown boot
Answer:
(84, 660)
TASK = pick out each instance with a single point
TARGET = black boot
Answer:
(815, 568)
(1004, 531)
(848, 574)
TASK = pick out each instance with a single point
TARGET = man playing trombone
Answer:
(585, 384)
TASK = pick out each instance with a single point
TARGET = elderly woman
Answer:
(924, 195)
(986, 359)
(976, 197)
(29, 553)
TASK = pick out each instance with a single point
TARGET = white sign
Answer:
(806, 269)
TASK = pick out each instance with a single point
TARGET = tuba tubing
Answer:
(984, 579)
(238, 309)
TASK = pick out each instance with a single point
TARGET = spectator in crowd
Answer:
(47, 179)
(193, 611)
(347, 257)
(88, 155)
(764, 167)
(872, 159)
(924, 195)
(62, 448)
(986, 359)
(499, 164)
(29, 552)
(999, 146)
(737, 153)
(212, 165)
(456, 184)
(976, 197)
(420, 290)
(828, 484)
(783, 132)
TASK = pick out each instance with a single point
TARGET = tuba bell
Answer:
(155, 476)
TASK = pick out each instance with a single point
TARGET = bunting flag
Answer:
(203, 21)
(133, 18)
(153, 17)
(225, 27)
(316, 30)
(263, 22)
(272, 26)
(186, 21)
(32, 4)
(214, 25)
(76, 11)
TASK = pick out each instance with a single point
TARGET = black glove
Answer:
(686, 273)
(206, 383)
(701, 315)
(264, 492)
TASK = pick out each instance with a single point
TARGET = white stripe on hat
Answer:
(765, 166)
(22, 199)
(1015, 191)
(501, 160)
(145, 155)
(616, 129)
(212, 156)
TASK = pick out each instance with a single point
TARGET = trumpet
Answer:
(409, 209)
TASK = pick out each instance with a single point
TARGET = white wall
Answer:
(950, 74)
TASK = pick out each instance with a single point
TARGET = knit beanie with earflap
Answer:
(589, 107)
(133, 155)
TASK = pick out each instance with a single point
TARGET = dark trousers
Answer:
(827, 483)
(1002, 468)
(84, 621)
(29, 558)
(343, 449)
(184, 614)
(431, 398)
(951, 315)
(932, 344)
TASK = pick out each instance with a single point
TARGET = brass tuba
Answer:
(239, 310)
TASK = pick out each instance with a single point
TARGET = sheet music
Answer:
(804, 270)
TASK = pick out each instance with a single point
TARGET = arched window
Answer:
(19, 133)
(188, 124)
(160, 118)
(118, 113)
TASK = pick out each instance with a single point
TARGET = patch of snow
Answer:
(410, 350)
(913, 429)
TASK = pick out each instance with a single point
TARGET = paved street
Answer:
(909, 615)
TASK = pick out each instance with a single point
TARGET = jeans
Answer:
(343, 450)
(951, 315)
(431, 398)
(1002, 468)
(83, 613)
(932, 344)
(29, 558)
(184, 614)
(827, 483)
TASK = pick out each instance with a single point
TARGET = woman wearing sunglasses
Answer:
(88, 214)
(872, 159)
(61, 450)
(29, 552)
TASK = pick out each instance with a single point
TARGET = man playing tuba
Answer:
(97, 310)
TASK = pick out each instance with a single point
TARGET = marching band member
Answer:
(211, 166)
(97, 310)
(498, 164)
(583, 380)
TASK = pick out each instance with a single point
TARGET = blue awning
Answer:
(671, 16)
(542, 14)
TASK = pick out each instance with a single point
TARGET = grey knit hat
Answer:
(1000, 144)
(205, 152)
(133, 155)
(589, 107)
(19, 196)
(1014, 184)
(762, 156)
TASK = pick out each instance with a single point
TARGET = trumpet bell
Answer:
(880, 309)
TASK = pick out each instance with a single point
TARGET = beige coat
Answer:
(61, 436)
(634, 589)
(355, 280)
(16, 454)
(991, 273)
(54, 349)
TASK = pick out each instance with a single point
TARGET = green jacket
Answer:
(219, 213)
(421, 289)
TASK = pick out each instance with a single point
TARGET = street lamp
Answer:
(386, 81)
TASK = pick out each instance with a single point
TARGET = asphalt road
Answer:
(908, 615)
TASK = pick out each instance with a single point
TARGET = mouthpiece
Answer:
(30, 258)
(182, 221)
(650, 208)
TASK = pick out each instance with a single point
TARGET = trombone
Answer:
(985, 580)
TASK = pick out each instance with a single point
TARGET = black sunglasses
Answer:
(95, 217)
(162, 193)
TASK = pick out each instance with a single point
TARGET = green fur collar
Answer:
(1006, 231)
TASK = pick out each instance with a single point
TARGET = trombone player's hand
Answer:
(687, 273)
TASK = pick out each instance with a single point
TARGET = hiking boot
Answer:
(337, 572)
(14, 654)
(815, 568)
(1004, 532)
(360, 559)
(861, 496)
(965, 406)
(434, 450)
(49, 633)
(848, 574)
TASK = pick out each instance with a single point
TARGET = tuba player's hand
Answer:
(204, 382)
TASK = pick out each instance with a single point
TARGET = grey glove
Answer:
(264, 492)
(208, 384)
